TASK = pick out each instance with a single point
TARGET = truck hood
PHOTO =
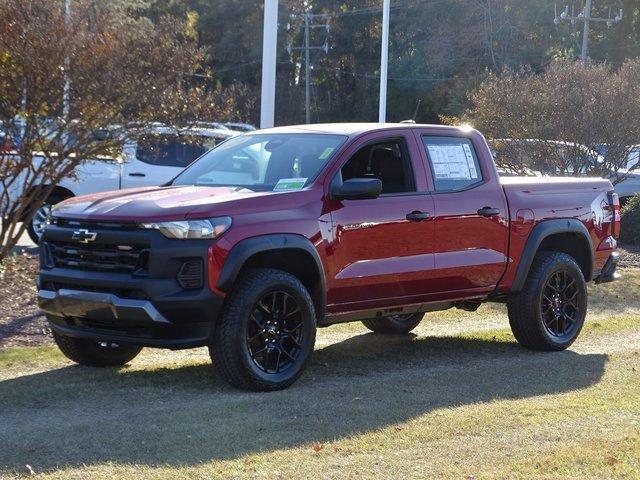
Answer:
(154, 203)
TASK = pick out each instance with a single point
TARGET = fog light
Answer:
(191, 276)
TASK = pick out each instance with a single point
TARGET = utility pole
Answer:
(308, 19)
(586, 18)
(384, 62)
(269, 56)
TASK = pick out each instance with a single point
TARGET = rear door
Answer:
(470, 212)
(381, 251)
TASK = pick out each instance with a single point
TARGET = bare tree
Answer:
(557, 120)
(120, 70)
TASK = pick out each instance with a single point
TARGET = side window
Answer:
(389, 161)
(453, 162)
(168, 152)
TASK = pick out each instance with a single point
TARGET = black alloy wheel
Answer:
(275, 333)
(561, 304)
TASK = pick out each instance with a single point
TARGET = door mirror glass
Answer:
(358, 189)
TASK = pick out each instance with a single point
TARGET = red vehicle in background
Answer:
(277, 232)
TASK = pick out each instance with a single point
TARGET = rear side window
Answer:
(453, 162)
(167, 151)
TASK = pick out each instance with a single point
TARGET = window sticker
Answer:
(327, 151)
(289, 184)
(453, 162)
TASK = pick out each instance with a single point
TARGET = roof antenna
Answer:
(415, 114)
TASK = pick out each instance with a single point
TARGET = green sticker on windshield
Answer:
(327, 151)
(290, 184)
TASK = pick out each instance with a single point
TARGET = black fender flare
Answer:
(248, 247)
(541, 231)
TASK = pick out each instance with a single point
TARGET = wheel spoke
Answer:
(291, 314)
(251, 339)
(263, 308)
(288, 355)
(255, 354)
(279, 350)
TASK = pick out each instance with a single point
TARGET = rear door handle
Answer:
(418, 216)
(137, 174)
(488, 212)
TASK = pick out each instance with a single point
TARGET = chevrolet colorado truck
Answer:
(277, 232)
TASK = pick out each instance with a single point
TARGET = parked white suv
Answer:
(151, 161)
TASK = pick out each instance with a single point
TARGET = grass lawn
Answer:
(460, 399)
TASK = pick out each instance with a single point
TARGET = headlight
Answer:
(192, 229)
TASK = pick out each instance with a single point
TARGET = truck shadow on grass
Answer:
(185, 415)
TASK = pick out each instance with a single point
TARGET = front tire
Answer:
(549, 312)
(394, 324)
(266, 332)
(93, 353)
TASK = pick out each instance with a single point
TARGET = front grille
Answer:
(68, 223)
(111, 258)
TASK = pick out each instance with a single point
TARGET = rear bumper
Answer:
(608, 272)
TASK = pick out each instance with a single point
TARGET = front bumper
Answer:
(148, 307)
(608, 272)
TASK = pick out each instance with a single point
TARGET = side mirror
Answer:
(358, 189)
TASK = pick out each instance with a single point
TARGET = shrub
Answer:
(630, 221)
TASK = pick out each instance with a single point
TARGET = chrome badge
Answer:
(84, 236)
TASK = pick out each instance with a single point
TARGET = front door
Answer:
(382, 248)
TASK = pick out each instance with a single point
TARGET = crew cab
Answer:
(277, 232)
(150, 160)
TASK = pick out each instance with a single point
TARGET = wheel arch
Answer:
(292, 253)
(58, 191)
(562, 235)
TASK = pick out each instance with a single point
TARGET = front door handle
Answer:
(488, 212)
(417, 216)
(137, 174)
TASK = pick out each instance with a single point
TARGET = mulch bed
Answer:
(22, 323)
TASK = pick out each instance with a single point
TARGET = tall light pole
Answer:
(585, 33)
(67, 81)
(384, 62)
(269, 57)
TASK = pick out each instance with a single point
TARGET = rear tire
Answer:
(549, 312)
(93, 353)
(394, 324)
(266, 332)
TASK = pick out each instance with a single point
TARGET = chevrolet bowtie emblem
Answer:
(84, 235)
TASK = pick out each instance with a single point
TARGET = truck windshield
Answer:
(263, 161)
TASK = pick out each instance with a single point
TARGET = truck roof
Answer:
(350, 128)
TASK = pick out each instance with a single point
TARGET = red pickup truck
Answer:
(276, 232)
